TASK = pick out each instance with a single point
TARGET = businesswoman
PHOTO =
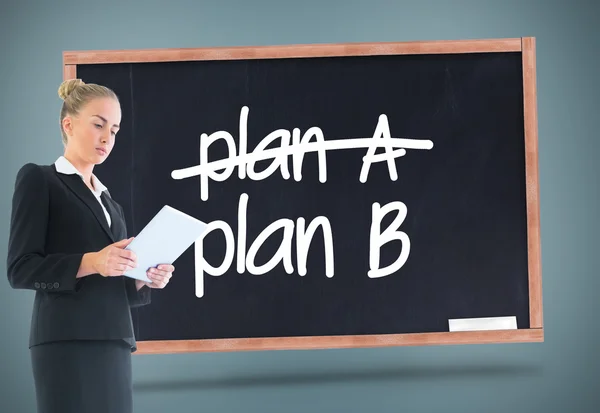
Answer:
(67, 243)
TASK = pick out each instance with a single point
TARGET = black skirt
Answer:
(83, 377)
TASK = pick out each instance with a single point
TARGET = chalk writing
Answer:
(299, 146)
(292, 143)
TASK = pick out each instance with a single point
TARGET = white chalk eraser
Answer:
(484, 323)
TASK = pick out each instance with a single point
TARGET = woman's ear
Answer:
(67, 125)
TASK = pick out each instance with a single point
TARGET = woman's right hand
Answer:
(114, 260)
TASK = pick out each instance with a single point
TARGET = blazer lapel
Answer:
(78, 187)
(115, 218)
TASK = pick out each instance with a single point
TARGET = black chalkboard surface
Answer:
(357, 195)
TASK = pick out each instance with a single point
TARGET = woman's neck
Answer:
(86, 169)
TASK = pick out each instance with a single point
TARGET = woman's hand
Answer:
(160, 276)
(114, 260)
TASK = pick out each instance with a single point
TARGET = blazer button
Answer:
(49, 285)
(56, 285)
(37, 285)
(44, 285)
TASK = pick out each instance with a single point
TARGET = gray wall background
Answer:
(558, 375)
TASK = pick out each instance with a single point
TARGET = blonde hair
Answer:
(75, 94)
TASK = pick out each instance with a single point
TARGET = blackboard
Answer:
(413, 164)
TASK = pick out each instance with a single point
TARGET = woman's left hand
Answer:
(160, 275)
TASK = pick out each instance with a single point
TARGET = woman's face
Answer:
(91, 133)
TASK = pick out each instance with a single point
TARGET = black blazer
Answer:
(55, 219)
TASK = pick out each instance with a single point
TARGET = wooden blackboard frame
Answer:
(524, 45)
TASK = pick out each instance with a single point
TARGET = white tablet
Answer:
(168, 235)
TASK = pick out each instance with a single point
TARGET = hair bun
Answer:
(69, 86)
